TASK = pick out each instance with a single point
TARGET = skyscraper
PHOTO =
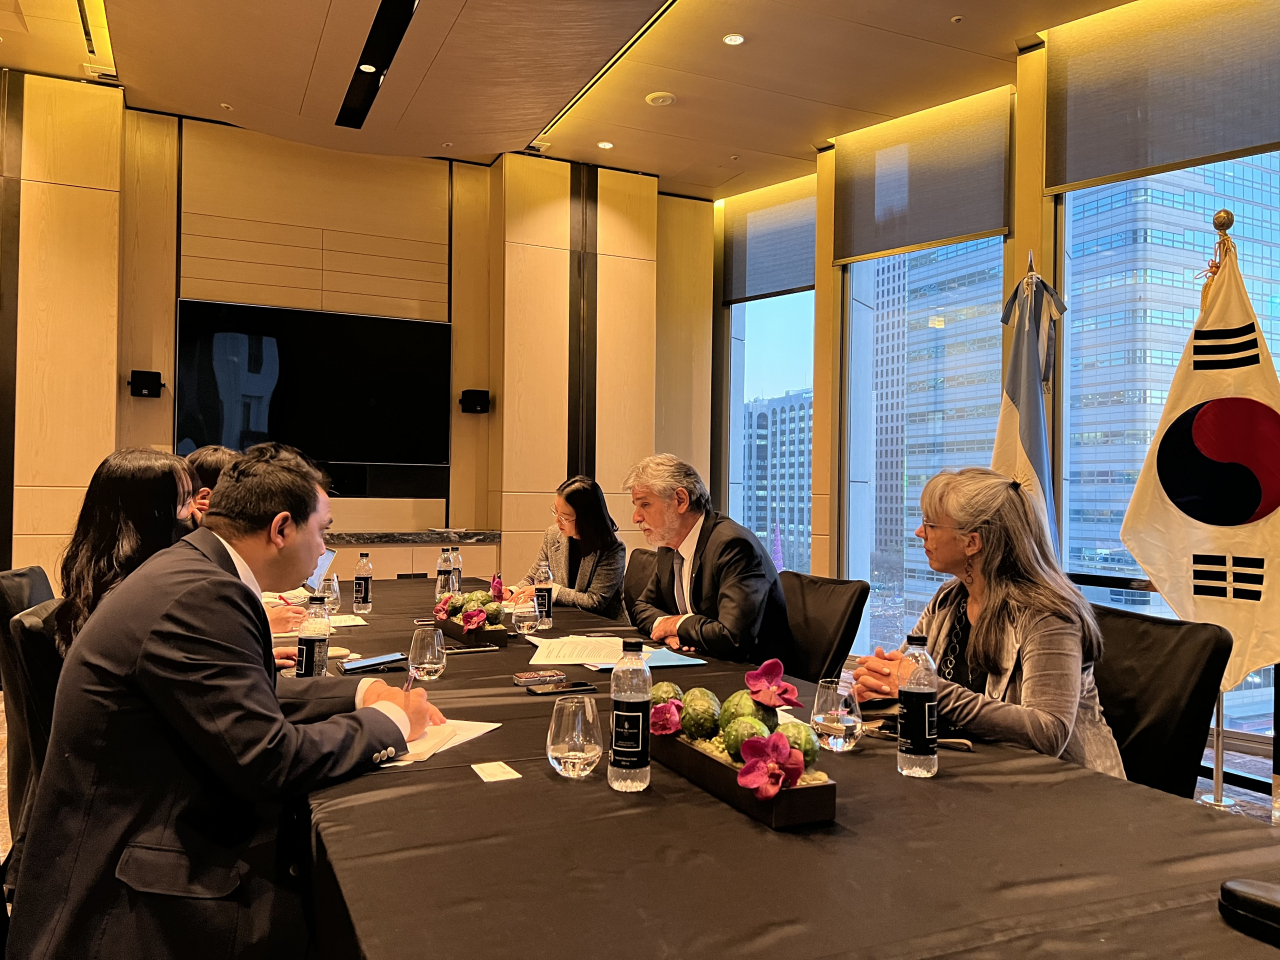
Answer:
(777, 468)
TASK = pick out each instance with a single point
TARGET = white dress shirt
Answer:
(394, 711)
(688, 547)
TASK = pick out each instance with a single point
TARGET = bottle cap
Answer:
(444, 549)
(632, 646)
(316, 598)
(364, 554)
(915, 640)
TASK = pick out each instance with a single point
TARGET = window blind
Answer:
(769, 240)
(932, 177)
(1160, 84)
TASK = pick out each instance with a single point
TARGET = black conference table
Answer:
(1005, 853)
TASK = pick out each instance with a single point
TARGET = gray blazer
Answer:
(599, 586)
(1042, 697)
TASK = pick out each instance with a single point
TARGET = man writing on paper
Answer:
(714, 589)
(173, 744)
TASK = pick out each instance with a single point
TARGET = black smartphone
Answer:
(555, 689)
(387, 661)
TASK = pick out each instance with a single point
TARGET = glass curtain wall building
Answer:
(771, 462)
(1133, 254)
(924, 394)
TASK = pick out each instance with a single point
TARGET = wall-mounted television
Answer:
(368, 397)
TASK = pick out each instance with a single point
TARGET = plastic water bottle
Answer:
(363, 592)
(542, 595)
(918, 713)
(313, 639)
(444, 574)
(629, 754)
(455, 558)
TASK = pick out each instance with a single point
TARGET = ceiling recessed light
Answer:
(957, 19)
(734, 157)
(367, 68)
(227, 106)
(605, 145)
(733, 39)
(660, 99)
(446, 144)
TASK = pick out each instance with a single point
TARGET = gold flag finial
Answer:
(1223, 221)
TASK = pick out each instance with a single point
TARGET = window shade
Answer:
(1160, 84)
(933, 177)
(769, 240)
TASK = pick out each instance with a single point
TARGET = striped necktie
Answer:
(682, 604)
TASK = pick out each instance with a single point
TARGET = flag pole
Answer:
(1216, 799)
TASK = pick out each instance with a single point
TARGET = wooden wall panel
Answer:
(256, 293)
(537, 368)
(536, 201)
(148, 276)
(686, 263)
(71, 133)
(37, 510)
(42, 551)
(625, 344)
(251, 251)
(338, 302)
(481, 560)
(388, 563)
(627, 215)
(363, 263)
(68, 272)
(228, 172)
(253, 231)
(469, 432)
(385, 515)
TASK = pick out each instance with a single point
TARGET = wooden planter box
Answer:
(451, 628)
(790, 807)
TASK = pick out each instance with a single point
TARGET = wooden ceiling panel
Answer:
(711, 110)
(812, 56)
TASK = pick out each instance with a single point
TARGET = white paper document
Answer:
(347, 620)
(579, 650)
(489, 772)
(662, 657)
(460, 731)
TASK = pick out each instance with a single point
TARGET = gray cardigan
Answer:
(599, 586)
(1042, 697)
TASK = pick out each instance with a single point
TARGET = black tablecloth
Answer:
(1004, 853)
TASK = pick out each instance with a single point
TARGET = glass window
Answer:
(771, 438)
(1133, 251)
(924, 393)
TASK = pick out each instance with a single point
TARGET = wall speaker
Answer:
(474, 401)
(145, 383)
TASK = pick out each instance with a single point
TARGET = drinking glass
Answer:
(332, 597)
(574, 746)
(426, 654)
(525, 617)
(836, 719)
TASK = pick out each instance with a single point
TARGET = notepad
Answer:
(347, 620)
(575, 649)
(460, 731)
(662, 657)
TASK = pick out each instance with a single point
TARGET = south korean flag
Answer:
(1203, 521)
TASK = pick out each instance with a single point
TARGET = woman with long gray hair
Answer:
(1014, 640)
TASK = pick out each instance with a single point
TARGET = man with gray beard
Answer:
(714, 589)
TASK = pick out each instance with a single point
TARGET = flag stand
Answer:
(1216, 799)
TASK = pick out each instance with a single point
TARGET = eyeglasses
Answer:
(561, 517)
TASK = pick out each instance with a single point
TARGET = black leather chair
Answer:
(33, 632)
(639, 570)
(824, 615)
(1158, 684)
(19, 590)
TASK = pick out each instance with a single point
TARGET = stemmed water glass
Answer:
(332, 597)
(426, 654)
(574, 746)
(836, 718)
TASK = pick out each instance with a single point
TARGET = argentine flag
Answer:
(1022, 443)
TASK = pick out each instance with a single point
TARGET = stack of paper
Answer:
(600, 653)
(444, 737)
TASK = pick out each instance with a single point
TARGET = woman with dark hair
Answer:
(1014, 639)
(582, 549)
(138, 503)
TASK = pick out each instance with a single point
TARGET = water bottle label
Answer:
(918, 722)
(542, 596)
(313, 656)
(846, 683)
(364, 590)
(630, 735)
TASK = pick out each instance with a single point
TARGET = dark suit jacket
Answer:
(170, 748)
(736, 601)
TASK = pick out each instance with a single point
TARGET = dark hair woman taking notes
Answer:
(582, 549)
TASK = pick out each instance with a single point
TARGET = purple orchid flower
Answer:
(664, 718)
(472, 619)
(441, 612)
(768, 687)
(771, 764)
(495, 586)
